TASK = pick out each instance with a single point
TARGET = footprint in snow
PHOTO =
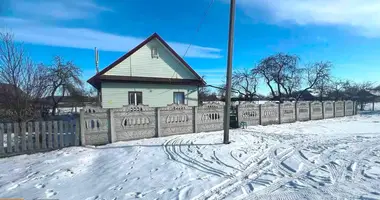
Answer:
(13, 186)
(118, 188)
(154, 170)
(39, 186)
(50, 193)
(135, 194)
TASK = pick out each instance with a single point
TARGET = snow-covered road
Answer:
(326, 159)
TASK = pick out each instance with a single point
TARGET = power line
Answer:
(200, 24)
(197, 30)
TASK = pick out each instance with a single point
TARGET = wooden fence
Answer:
(31, 137)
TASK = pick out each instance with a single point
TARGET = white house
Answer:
(152, 74)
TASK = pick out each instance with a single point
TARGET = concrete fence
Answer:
(102, 126)
(97, 126)
(274, 113)
(136, 122)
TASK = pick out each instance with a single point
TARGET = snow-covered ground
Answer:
(327, 159)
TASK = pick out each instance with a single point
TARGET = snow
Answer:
(325, 159)
(352, 167)
(372, 172)
(293, 164)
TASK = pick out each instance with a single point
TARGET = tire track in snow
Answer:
(172, 148)
(227, 187)
(326, 189)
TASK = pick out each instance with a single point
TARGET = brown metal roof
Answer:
(96, 79)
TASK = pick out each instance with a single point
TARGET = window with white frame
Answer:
(134, 98)
(154, 52)
(179, 97)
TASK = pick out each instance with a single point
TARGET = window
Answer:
(134, 98)
(179, 97)
(154, 52)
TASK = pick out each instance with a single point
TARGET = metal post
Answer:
(97, 71)
(229, 74)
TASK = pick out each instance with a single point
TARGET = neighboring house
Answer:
(68, 104)
(152, 74)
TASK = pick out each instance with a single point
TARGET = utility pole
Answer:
(97, 71)
(229, 74)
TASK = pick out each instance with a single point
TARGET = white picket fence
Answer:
(37, 136)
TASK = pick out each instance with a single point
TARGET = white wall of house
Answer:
(115, 95)
(142, 64)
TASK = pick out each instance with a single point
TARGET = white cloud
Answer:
(56, 10)
(363, 16)
(35, 33)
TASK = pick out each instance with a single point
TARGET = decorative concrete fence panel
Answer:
(209, 117)
(328, 109)
(133, 122)
(94, 127)
(175, 119)
(250, 113)
(339, 109)
(316, 110)
(269, 113)
(288, 112)
(303, 111)
(348, 108)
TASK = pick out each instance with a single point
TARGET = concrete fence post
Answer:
(334, 109)
(279, 113)
(82, 128)
(158, 122)
(111, 126)
(344, 108)
(323, 110)
(195, 126)
(260, 122)
(309, 110)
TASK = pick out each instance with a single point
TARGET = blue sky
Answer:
(345, 32)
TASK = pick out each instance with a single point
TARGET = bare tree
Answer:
(314, 75)
(359, 92)
(280, 73)
(336, 89)
(64, 79)
(245, 83)
(292, 80)
(22, 81)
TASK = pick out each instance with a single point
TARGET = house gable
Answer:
(141, 64)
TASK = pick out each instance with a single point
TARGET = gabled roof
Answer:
(95, 80)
